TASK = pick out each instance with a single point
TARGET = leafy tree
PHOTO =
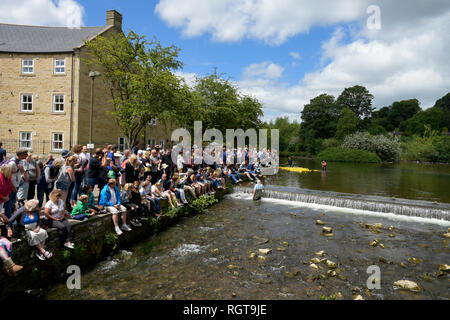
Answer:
(319, 121)
(432, 117)
(358, 99)
(400, 112)
(223, 107)
(140, 77)
(444, 105)
(347, 124)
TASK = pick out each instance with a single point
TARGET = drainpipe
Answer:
(71, 102)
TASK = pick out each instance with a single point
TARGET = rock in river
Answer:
(407, 285)
(326, 230)
(320, 253)
(330, 264)
(320, 222)
(265, 251)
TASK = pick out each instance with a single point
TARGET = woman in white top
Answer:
(55, 214)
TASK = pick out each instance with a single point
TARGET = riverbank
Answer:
(94, 240)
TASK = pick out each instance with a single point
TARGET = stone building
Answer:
(45, 90)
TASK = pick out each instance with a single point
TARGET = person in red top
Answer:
(324, 165)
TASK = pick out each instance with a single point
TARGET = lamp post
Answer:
(92, 74)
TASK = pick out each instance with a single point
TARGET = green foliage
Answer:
(386, 148)
(201, 203)
(347, 123)
(338, 154)
(173, 212)
(330, 143)
(139, 74)
(431, 147)
(288, 134)
(218, 103)
(358, 99)
(444, 105)
(111, 239)
(431, 117)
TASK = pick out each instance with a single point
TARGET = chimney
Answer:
(113, 18)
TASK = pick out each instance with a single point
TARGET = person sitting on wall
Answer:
(9, 267)
(28, 218)
(110, 200)
(55, 213)
(81, 210)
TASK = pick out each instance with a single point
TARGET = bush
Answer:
(429, 148)
(337, 154)
(330, 143)
(386, 148)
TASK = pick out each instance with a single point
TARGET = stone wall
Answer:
(94, 240)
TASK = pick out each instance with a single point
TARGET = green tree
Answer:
(347, 124)
(223, 107)
(431, 117)
(444, 105)
(319, 121)
(358, 99)
(400, 112)
(140, 76)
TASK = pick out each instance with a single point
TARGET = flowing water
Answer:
(208, 256)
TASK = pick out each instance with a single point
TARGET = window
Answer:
(58, 103)
(27, 66)
(25, 140)
(26, 103)
(122, 144)
(152, 142)
(60, 66)
(161, 143)
(152, 122)
(57, 141)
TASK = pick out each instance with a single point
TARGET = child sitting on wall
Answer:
(81, 211)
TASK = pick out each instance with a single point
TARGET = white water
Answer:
(245, 194)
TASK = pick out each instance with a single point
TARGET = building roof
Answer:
(35, 39)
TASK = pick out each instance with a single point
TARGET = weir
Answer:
(403, 207)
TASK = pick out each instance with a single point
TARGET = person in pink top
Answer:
(5, 186)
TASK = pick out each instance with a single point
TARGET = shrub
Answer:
(386, 148)
(337, 154)
(429, 148)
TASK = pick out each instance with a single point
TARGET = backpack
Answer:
(63, 177)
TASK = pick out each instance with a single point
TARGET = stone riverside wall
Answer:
(94, 240)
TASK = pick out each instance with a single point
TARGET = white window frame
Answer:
(59, 103)
(30, 141)
(152, 142)
(55, 141)
(28, 66)
(122, 145)
(22, 95)
(55, 67)
(161, 143)
(152, 122)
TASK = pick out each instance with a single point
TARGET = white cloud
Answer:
(415, 66)
(295, 55)
(63, 13)
(265, 70)
(272, 21)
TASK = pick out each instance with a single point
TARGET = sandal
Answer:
(48, 255)
(40, 256)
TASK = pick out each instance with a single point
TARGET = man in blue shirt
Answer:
(257, 190)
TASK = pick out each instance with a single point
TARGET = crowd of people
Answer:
(129, 186)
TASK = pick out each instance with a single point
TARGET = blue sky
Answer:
(201, 54)
(285, 52)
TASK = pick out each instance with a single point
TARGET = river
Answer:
(209, 256)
